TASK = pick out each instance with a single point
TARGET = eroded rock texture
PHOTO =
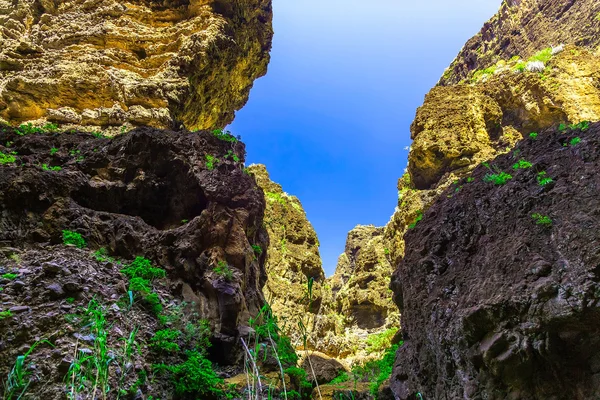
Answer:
(496, 302)
(103, 64)
(148, 193)
(522, 28)
(292, 259)
(357, 300)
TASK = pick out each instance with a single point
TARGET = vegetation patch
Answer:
(7, 158)
(225, 136)
(224, 271)
(73, 238)
(541, 219)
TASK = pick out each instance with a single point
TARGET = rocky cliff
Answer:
(499, 285)
(523, 27)
(292, 259)
(357, 306)
(107, 65)
(180, 200)
(535, 75)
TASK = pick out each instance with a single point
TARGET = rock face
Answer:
(357, 301)
(292, 259)
(499, 287)
(522, 28)
(464, 292)
(106, 64)
(148, 193)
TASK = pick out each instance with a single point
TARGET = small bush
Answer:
(341, 378)
(533, 135)
(223, 270)
(5, 314)
(257, 249)
(10, 276)
(166, 340)
(45, 167)
(541, 219)
(417, 220)
(575, 141)
(211, 161)
(142, 268)
(73, 238)
(522, 164)
(193, 377)
(224, 135)
(7, 158)
(380, 341)
(542, 179)
(497, 179)
(542, 56)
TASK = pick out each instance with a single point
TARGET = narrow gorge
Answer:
(142, 258)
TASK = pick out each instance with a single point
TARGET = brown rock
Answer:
(291, 259)
(505, 298)
(321, 368)
(78, 64)
(522, 28)
(130, 195)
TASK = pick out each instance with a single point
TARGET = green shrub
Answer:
(232, 155)
(193, 377)
(7, 158)
(497, 179)
(142, 268)
(45, 167)
(166, 340)
(226, 136)
(73, 238)
(299, 377)
(223, 270)
(533, 135)
(417, 220)
(541, 219)
(380, 341)
(341, 378)
(385, 367)
(543, 55)
(10, 276)
(542, 179)
(5, 314)
(211, 161)
(522, 164)
(575, 141)
(257, 249)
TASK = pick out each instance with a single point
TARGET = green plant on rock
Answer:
(19, 377)
(417, 220)
(257, 249)
(166, 340)
(30, 129)
(10, 276)
(522, 164)
(224, 135)
(543, 55)
(140, 273)
(341, 378)
(499, 178)
(73, 238)
(5, 314)
(7, 158)
(211, 161)
(380, 341)
(276, 197)
(533, 135)
(45, 167)
(541, 219)
(232, 155)
(542, 179)
(575, 141)
(223, 270)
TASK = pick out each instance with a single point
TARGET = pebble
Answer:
(55, 290)
(18, 284)
(51, 268)
(18, 309)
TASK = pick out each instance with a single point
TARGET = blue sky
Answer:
(332, 117)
